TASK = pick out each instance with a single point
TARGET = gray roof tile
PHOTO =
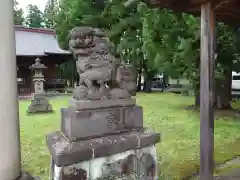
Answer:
(36, 42)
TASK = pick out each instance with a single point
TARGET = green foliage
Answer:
(153, 40)
(77, 13)
(18, 14)
(66, 70)
(126, 30)
(170, 40)
(50, 12)
(34, 17)
(177, 46)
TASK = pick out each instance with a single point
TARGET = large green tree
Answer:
(155, 40)
(126, 31)
(77, 13)
(173, 39)
(34, 17)
(18, 14)
(50, 13)
(73, 13)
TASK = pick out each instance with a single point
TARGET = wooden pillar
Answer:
(207, 92)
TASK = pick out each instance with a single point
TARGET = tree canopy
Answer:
(153, 40)
(18, 14)
(50, 13)
(34, 17)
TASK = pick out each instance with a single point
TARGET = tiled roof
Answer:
(36, 42)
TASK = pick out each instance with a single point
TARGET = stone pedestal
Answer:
(39, 102)
(102, 135)
(26, 176)
(103, 139)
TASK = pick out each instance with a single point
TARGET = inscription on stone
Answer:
(90, 123)
(113, 120)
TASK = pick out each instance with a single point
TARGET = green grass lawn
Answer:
(178, 152)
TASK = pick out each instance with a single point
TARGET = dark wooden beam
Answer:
(228, 15)
(207, 92)
(222, 4)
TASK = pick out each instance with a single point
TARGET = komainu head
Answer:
(81, 37)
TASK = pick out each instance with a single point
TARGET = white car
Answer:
(235, 83)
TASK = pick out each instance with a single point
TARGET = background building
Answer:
(32, 43)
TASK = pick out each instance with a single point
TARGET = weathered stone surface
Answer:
(39, 96)
(38, 84)
(25, 176)
(98, 68)
(133, 117)
(39, 102)
(127, 165)
(79, 125)
(102, 135)
(100, 104)
(74, 174)
(67, 153)
(39, 109)
(38, 65)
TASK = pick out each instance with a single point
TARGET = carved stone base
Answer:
(25, 176)
(39, 104)
(100, 104)
(66, 153)
(39, 109)
(84, 124)
(134, 164)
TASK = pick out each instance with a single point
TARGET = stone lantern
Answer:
(39, 101)
(38, 78)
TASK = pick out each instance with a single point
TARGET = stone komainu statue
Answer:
(100, 73)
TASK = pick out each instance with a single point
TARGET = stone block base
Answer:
(103, 140)
(25, 176)
(135, 164)
(40, 109)
(91, 123)
(66, 153)
(39, 104)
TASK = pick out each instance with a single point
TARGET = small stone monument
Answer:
(39, 102)
(102, 135)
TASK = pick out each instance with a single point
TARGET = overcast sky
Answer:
(40, 3)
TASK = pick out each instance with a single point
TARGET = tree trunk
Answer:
(147, 86)
(223, 92)
(147, 79)
(197, 86)
(165, 81)
(197, 98)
